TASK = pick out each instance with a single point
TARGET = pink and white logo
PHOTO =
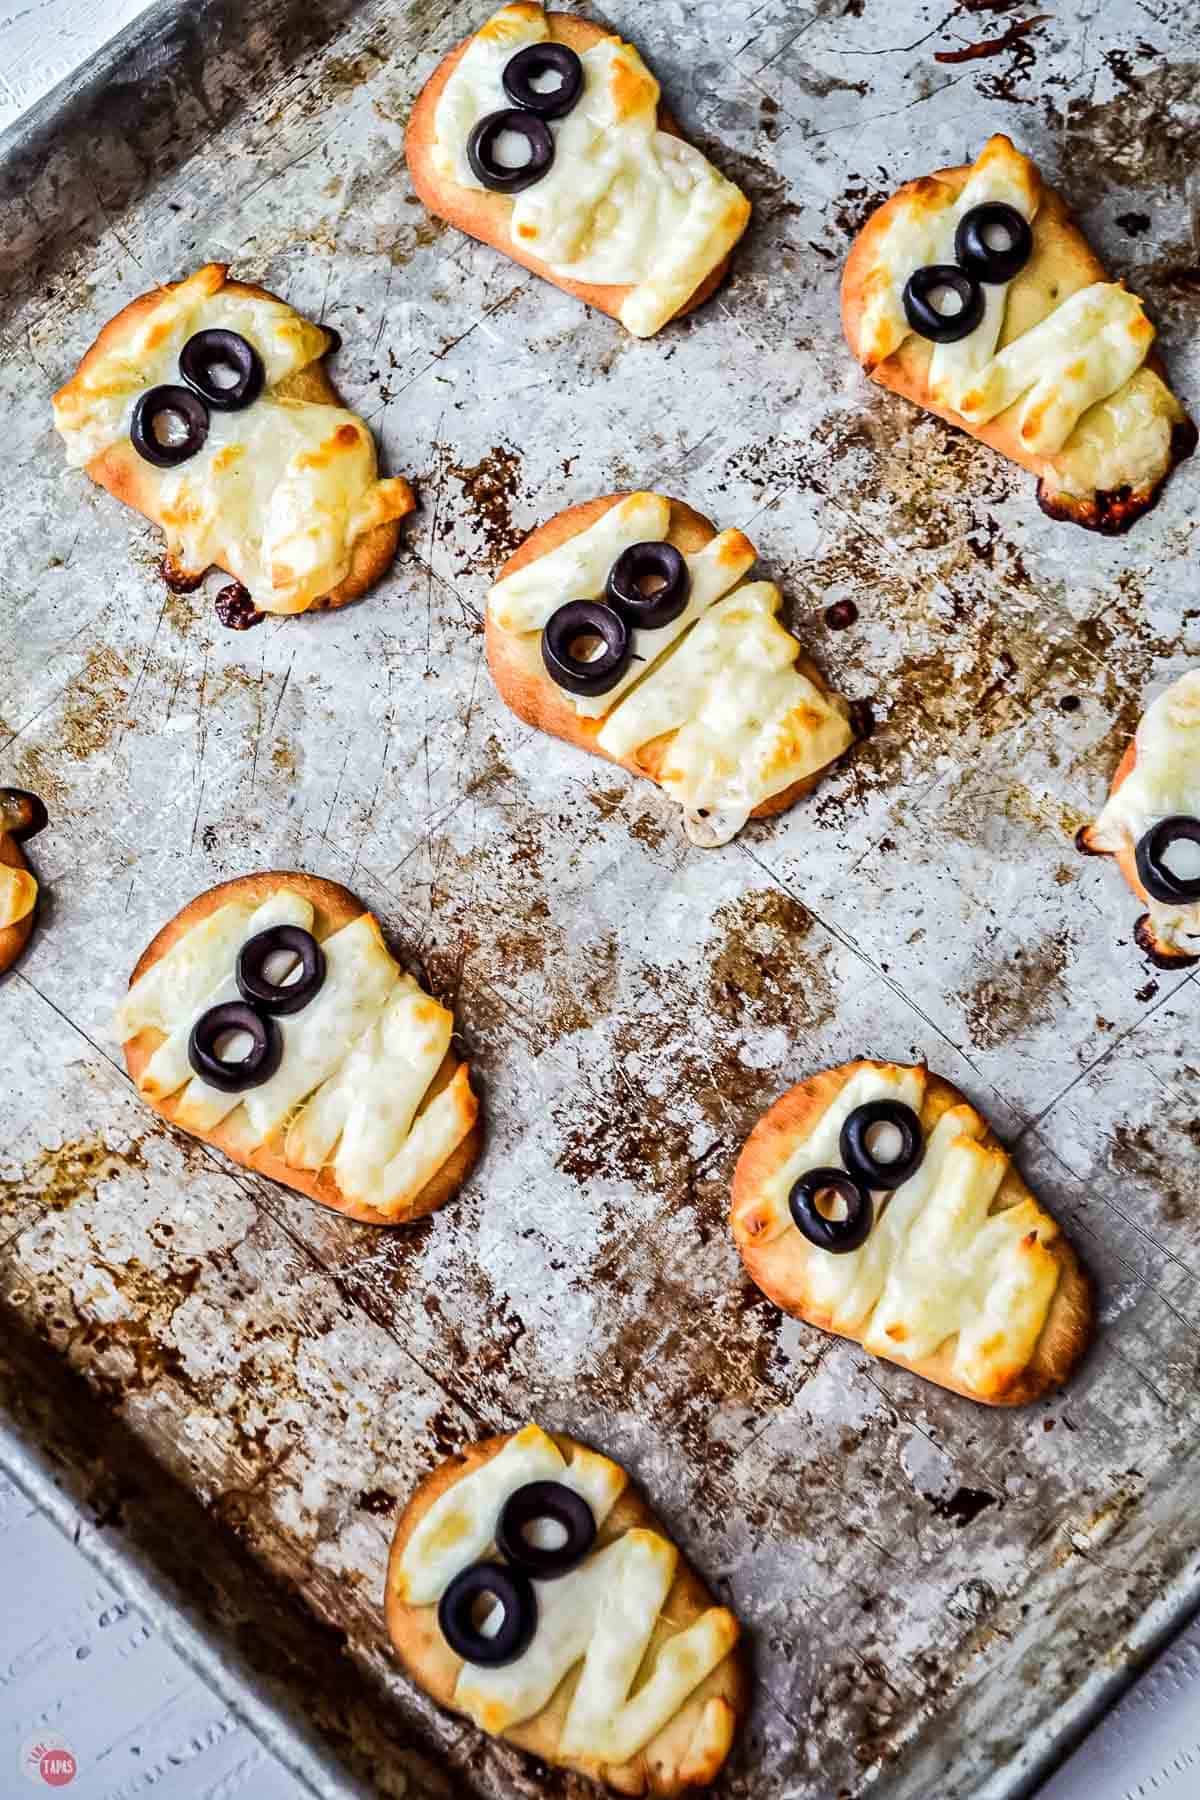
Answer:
(47, 1762)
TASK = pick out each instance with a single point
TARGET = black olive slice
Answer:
(529, 65)
(1160, 882)
(869, 1170)
(923, 315)
(249, 1071)
(984, 259)
(210, 358)
(837, 1235)
(459, 1606)
(284, 997)
(660, 564)
(22, 814)
(546, 1500)
(574, 625)
(156, 409)
(481, 150)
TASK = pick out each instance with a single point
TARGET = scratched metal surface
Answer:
(936, 1595)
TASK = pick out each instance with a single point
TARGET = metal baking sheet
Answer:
(937, 1596)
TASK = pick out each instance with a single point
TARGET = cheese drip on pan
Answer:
(938, 1264)
(357, 1063)
(604, 1614)
(623, 204)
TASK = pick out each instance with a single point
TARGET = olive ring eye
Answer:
(233, 1075)
(976, 248)
(927, 319)
(484, 143)
(837, 1235)
(653, 606)
(223, 368)
(466, 1634)
(863, 1162)
(553, 1501)
(284, 997)
(529, 67)
(169, 425)
(580, 623)
(22, 814)
(1159, 880)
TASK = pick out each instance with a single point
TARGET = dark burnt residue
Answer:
(1011, 996)
(964, 1505)
(490, 488)
(1149, 1156)
(1011, 39)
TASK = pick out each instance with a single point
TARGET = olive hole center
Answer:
(487, 1614)
(281, 967)
(947, 302)
(544, 1534)
(512, 150)
(586, 648)
(546, 80)
(233, 1046)
(223, 374)
(170, 428)
(651, 583)
(831, 1205)
(885, 1142)
(1182, 859)
(998, 236)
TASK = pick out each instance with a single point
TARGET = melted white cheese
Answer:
(623, 203)
(1087, 405)
(937, 1265)
(1165, 779)
(365, 1048)
(18, 895)
(280, 491)
(603, 1613)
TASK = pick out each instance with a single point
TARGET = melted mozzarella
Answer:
(747, 723)
(18, 895)
(366, 1049)
(1165, 779)
(578, 569)
(938, 1263)
(604, 1613)
(280, 491)
(623, 203)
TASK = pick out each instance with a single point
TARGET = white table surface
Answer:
(86, 1665)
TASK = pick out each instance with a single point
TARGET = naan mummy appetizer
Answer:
(1151, 824)
(974, 293)
(22, 816)
(626, 625)
(270, 1019)
(599, 1649)
(543, 136)
(873, 1201)
(206, 407)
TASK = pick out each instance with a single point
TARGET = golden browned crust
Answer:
(13, 938)
(333, 907)
(1068, 1326)
(1161, 954)
(487, 216)
(684, 1754)
(515, 659)
(1059, 246)
(122, 472)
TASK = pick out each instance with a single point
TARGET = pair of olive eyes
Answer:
(1159, 880)
(509, 1585)
(587, 645)
(980, 258)
(221, 371)
(263, 1001)
(543, 81)
(864, 1171)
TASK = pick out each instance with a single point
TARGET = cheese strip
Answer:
(1164, 779)
(578, 569)
(712, 572)
(1000, 175)
(169, 1068)
(1072, 354)
(748, 724)
(459, 1527)
(437, 1133)
(622, 204)
(18, 895)
(912, 239)
(177, 983)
